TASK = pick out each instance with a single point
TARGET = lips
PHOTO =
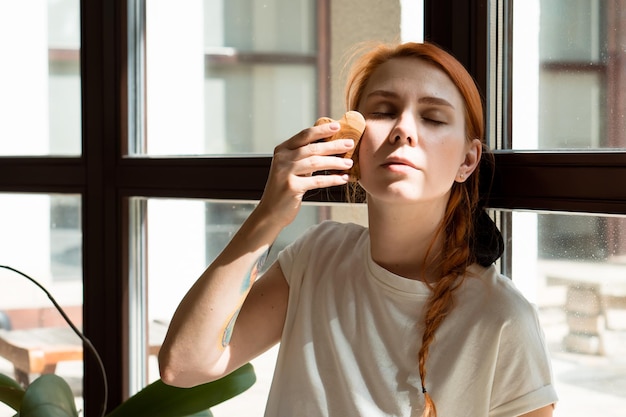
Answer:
(395, 161)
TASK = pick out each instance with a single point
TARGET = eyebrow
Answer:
(438, 101)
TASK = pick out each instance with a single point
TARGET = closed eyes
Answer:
(433, 121)
(381, 115)
(390, 115)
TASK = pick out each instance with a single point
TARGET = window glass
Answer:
(228, 77)
(573, 267)
(40, 104)
(568, 94)
(569, 74)
(40, 235)
(268, 26)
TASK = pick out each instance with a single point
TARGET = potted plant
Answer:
(50, 395)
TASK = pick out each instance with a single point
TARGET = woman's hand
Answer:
(293, 165)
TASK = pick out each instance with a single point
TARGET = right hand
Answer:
(293, 165)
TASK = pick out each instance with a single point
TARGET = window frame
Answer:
(555, 181)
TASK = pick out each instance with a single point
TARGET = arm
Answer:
(541, 412)
(224, 320)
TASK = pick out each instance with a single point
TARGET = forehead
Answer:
(414, 77)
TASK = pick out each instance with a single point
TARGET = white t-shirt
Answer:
(353, 330)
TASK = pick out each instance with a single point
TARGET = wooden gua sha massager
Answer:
(352, 127)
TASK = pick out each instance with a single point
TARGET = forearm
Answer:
(200, 330)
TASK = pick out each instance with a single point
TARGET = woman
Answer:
(404, 318)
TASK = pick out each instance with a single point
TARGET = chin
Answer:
(394, 193)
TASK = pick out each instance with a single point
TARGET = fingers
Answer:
(314, 157)
(311, 135)
(335, 147)
(294, 163)
(297, 159)
(327, 180)
(301, 184)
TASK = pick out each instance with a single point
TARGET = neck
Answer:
(403, 239)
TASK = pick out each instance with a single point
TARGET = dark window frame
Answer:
(560, 181)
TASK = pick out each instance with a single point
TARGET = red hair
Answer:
(457, 224)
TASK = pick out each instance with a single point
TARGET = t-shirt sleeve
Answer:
(294, 255)
(301, 258)
(523, 374)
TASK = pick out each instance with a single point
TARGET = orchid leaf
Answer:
(161, 400)
(11, 393)
(48, 396)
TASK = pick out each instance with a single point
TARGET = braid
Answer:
(456, 257)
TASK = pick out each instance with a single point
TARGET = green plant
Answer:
(50, 396)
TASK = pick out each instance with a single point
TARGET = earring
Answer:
(462, 176)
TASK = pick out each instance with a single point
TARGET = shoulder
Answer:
(328, 240)
(496, 305)
(495, 321)
(328, 233)
(497, 297)
(497, 288)
(337, 230)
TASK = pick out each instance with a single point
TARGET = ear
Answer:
(472, 158)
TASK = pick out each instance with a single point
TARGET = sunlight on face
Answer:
(414, 145)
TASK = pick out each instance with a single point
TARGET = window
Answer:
(566, 95)
(41, 230)
(94, 157)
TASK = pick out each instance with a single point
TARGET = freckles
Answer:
(452, 143)
(366, 156)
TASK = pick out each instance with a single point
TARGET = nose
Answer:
(405, 130)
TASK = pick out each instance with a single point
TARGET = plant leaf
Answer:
(205, 413)
(48, 396)
(11, 393)
(161, 400)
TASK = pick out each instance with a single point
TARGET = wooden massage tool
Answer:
(352, 126)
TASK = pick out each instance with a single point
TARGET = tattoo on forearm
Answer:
(245, 287)
(228, 332)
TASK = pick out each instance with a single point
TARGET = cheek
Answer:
(365, 155)
(367, 148)
(448, 156)
(373, 137)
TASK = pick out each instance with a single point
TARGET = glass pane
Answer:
(573, 267)
(569, 74)
(268, 26)
(41, 236)
(228, 77)
(570, 111)
(239, 77)
(206, 227)
(247, 109)
(40, 104)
